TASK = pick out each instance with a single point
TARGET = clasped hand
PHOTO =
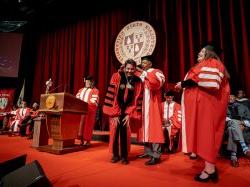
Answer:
(125, 120)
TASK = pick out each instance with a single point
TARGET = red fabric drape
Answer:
(69, 53)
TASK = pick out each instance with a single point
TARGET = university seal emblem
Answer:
(50, 102)
(135, 40)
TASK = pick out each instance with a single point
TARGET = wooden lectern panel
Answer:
(64, 126)
(63, 102)
(63, 113)
(40, 132)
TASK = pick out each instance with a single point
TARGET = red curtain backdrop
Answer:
(86, 47)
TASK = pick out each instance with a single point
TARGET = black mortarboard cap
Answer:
(88, 78)
(169, 93)
(212, 46)
(148, 57)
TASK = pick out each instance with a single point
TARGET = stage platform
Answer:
(92, 167)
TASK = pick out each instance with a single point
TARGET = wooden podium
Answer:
(63, 114)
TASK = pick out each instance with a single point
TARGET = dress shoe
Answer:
(193, 157)
(143, 156)
(115, 159)
(87, 144)
(125, 161)
(235, 163)
(212, 176)
(30, 137)
(152, 161)
(247, 153)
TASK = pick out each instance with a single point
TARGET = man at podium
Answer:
(90, 95)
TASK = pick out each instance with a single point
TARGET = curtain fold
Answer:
(86, 47)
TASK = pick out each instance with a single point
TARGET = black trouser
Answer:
(153, 150)
(31, 127)
(121, 131)
(165, 146)
(24, 124)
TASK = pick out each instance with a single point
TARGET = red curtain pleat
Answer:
(86, 47)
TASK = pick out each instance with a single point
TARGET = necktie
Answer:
(168, 111)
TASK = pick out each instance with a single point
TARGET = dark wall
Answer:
(26, 66)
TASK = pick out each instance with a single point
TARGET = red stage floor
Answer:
(92, 167)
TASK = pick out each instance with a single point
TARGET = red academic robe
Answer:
(151, 129)
(21, 114)
(90, 96)
(204, 109)
(172, 112)
(112, 109)
(33, 114)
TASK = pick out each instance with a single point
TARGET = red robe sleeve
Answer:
(18, 115)
(93, 99)
(79, 93)
(153, 78)
(110, 106)
(176, 118)
(208, 74)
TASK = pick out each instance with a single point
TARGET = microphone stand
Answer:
(55, 88)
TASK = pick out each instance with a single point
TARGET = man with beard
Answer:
(121, 105)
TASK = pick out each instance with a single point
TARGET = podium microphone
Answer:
(48, 82)
(56, 88)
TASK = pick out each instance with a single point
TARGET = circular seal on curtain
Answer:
(50, 101)
(135, 40)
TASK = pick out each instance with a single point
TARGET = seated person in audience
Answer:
(241, 98)
(171, 120)
(237, 123)
(2, 115)
(22, 114)
(8, 119)
(29, 122)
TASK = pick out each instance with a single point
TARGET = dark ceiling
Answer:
(22, 9)
(54, 11)
(14, 14)
(28, 9)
